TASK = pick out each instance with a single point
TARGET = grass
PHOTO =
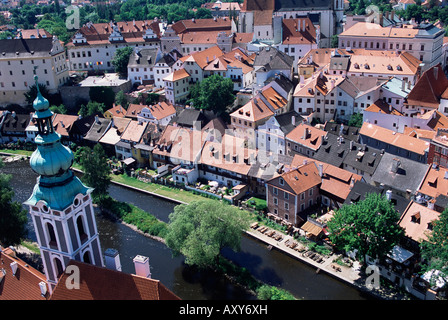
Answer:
(17, 152)
(167, 191)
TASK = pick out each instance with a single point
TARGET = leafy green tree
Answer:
(121, 59)
(356, 120)
(201, 229)
(104, 95)
(120, 99)
(96, 170)
(435, 250)
(31, 94)
(61, 109)
(213, 93)
(369, 226)
(13, 217)
(266, 292)
(91, 108)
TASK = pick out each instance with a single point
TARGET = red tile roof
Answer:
(394, 138)
(25, 284)
(429, 88)
(307, 136)
(302, 178)
(98, 283)
(415, 220)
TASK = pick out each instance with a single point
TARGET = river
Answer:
(272, 267)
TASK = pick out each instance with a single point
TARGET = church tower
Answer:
(60, 205)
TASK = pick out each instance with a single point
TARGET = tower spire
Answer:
(60, 204)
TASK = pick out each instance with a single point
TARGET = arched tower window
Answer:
(81, 230)
(52, 241)
(59, 268)
(86, 257)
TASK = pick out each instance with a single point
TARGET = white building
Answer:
(424, 41)
(93, 46)
(22, 59)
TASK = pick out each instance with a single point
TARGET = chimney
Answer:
(351, 145)
(305, 133)
(112, 259)
(141, 265)
(431, 204)
(321, 169)
(43, 288)
(14, 267)
(352, 183)
(395, 165)
(293, 120)
(389, 195)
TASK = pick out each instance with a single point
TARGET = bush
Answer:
(266, 292)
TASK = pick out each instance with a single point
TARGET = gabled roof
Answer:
(113, 135)
(381, 106)
(134, 131)
(15, 122)
(299, 179)
(116, 111)
(336, 182)
(97, 129)
(177, 75)
(397, 139)
(429, 88)
(416, 220)
(98, 283)
(272, 59)
(212, 24)
(143, 58)
(295, 33)
(133, 110)
(435, 182)
(25, 284)
(161, 110)
(255, 110)
(203, 58)
(307, 136)
(63, 123)
(400, 173)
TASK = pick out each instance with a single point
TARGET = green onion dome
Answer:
(51, 158)
(40, 103)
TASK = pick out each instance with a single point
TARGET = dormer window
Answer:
(416, 217)
(281, 181)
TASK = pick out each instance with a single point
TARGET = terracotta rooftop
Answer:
(222, 23)
(255, 110)
(24, 285)
(394, 138)
(98, 283)
(203, 58)
(381, 106)
(134, 131)
(435, 182)
(335, 181)
(113, 135)
(63, 123)
(302, 178)
(416, 219)
(161, 110)
(177, 75)
(117, 111)
(367, 29)
(295, 33)
(307, 135)
(430, 87)
(229, 154)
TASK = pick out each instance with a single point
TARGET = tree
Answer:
(105, 95)
(31, 94)
(370, 226)
(356, 120)
(120, 99)
(435, 250)
(13, 217)
(121, 59)
(61, 109)
(91, 108)
(213, 93)
(96, 170)
(201, 229)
